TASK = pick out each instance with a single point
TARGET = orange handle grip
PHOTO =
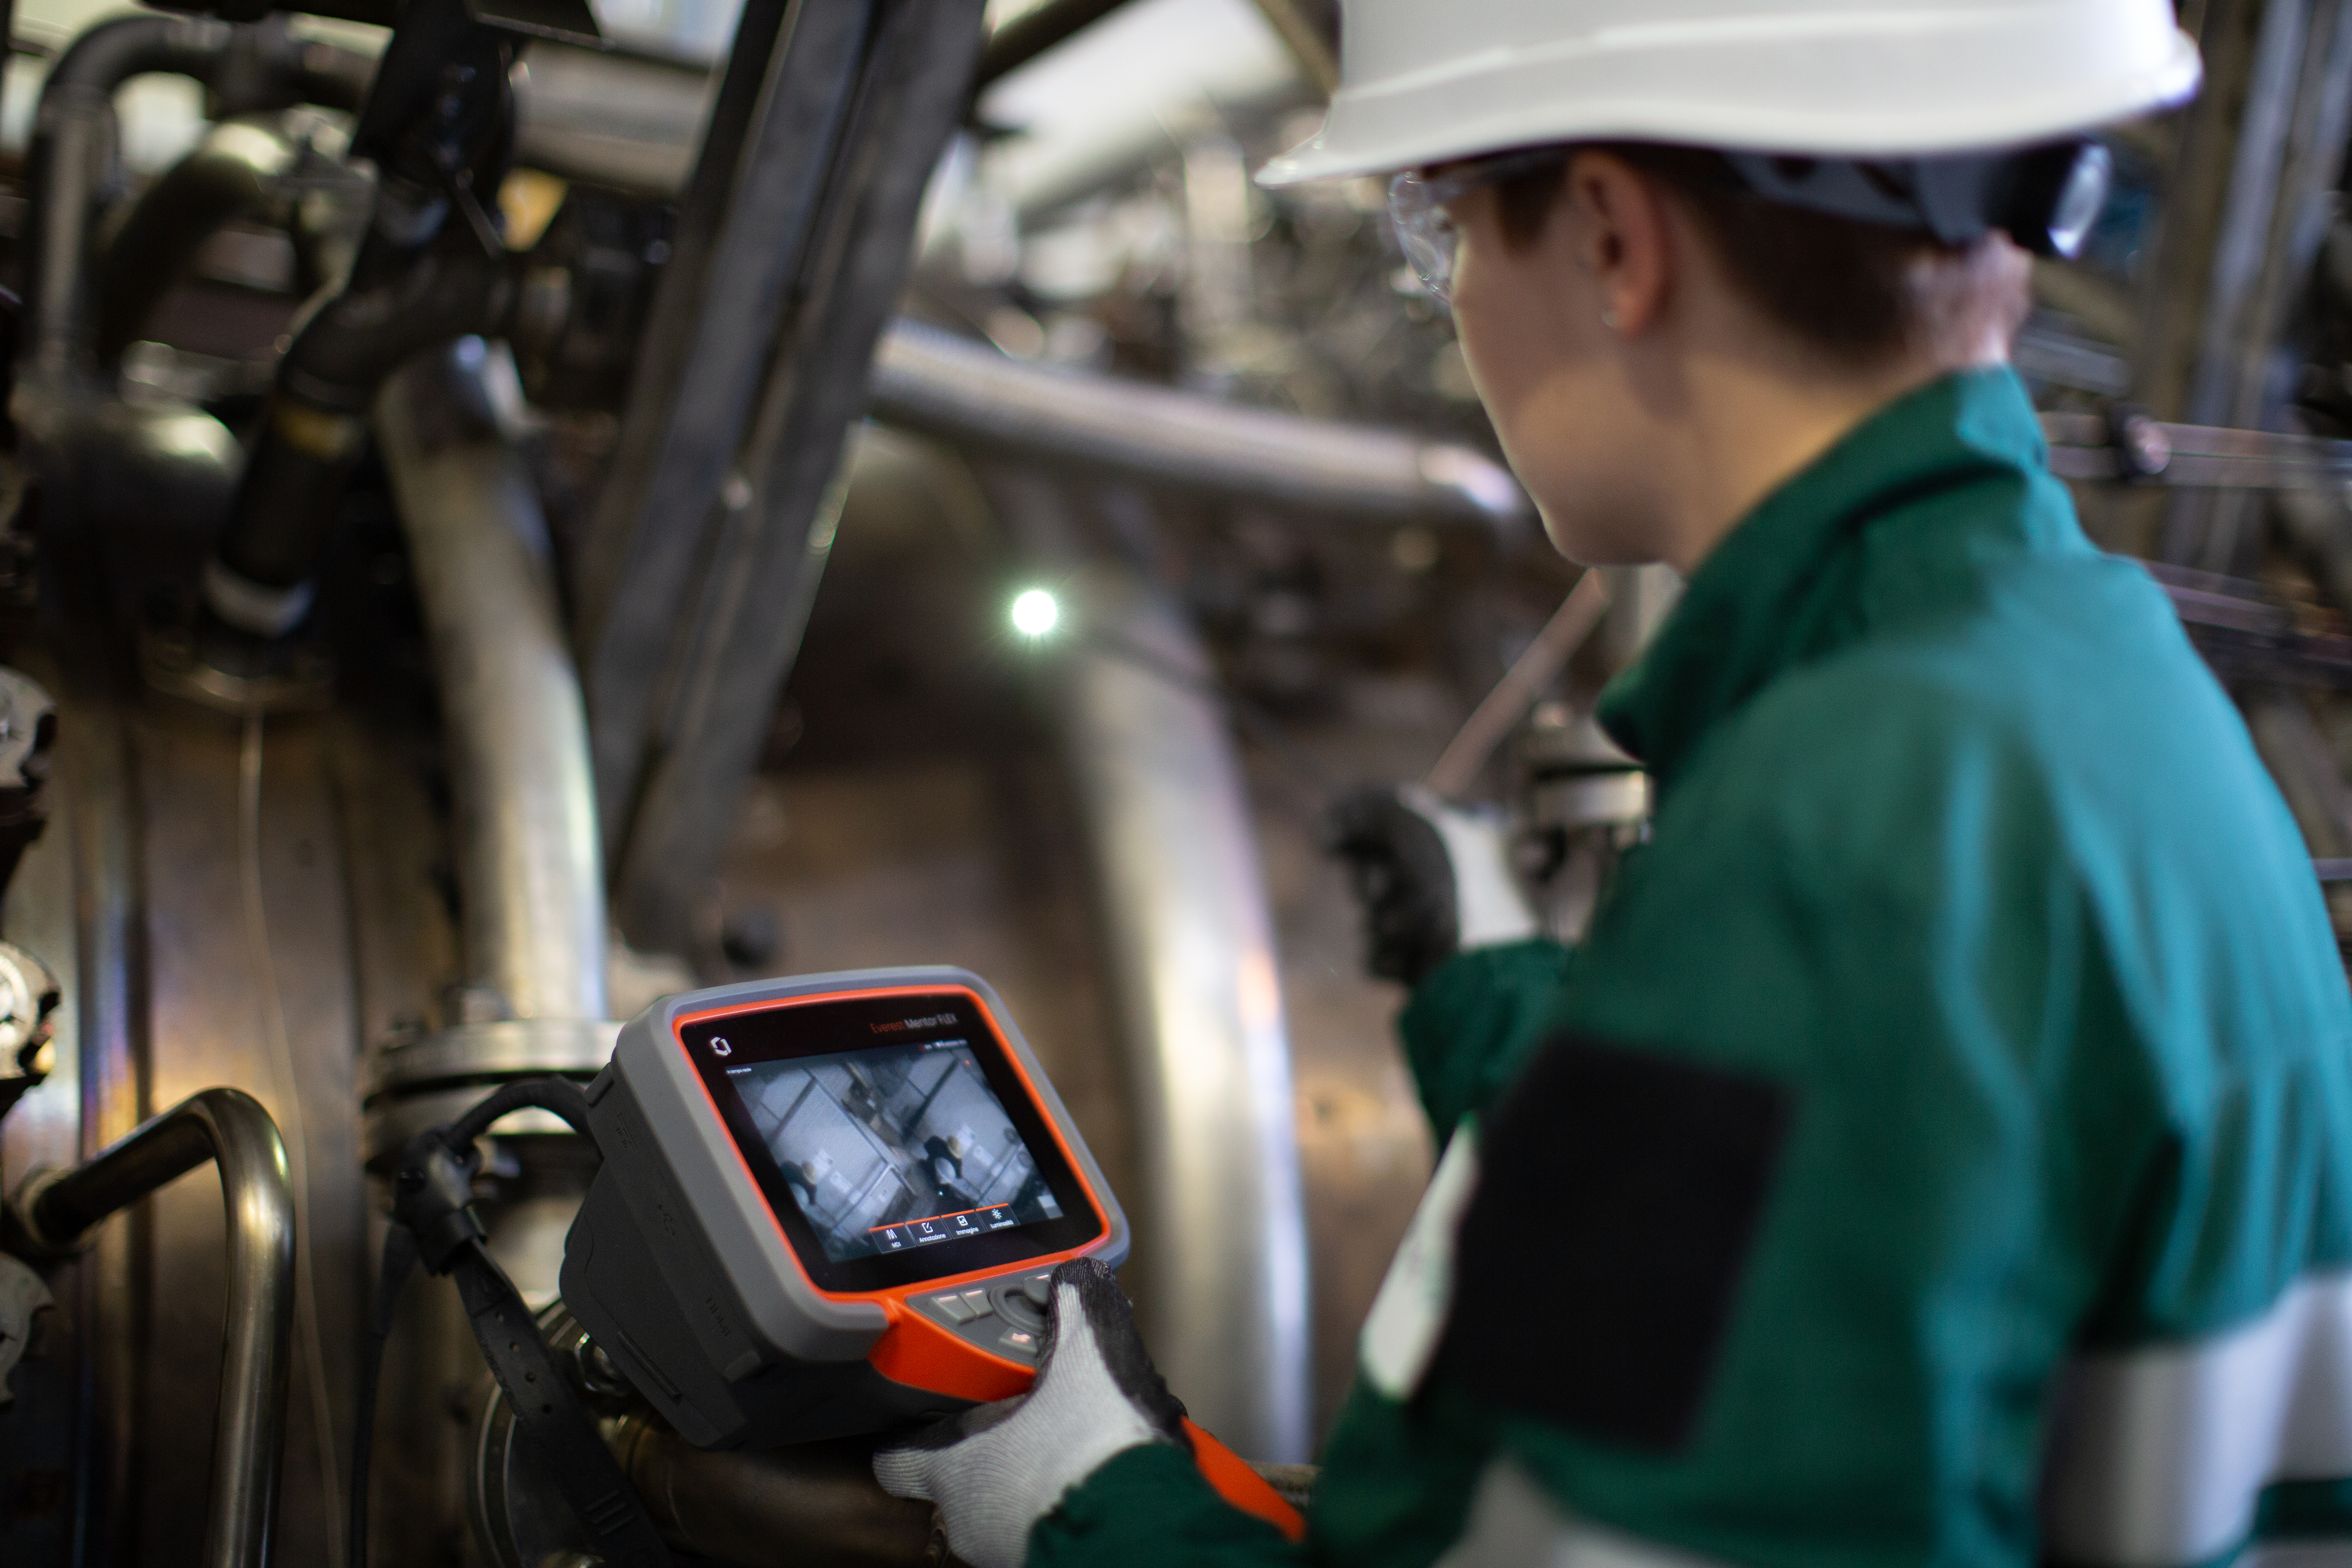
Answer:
(1241, 1486)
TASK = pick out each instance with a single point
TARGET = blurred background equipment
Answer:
(512, 507)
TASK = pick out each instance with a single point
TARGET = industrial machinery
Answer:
(509, 518)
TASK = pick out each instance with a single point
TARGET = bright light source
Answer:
(1034, 613)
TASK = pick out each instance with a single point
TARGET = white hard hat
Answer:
(1423, 81)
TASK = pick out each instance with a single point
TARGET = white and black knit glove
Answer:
(1434, 879)
(996, 1470)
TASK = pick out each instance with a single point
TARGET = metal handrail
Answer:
(56, 1211)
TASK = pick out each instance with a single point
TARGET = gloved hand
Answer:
(1434, 879)
(996, 1470)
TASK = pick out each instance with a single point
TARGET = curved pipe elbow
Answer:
(112, 53)
(344, 353)
(228, 176)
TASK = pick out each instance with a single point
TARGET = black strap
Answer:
(549, 1416)
(434, 1222)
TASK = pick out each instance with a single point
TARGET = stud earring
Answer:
(1608, 318)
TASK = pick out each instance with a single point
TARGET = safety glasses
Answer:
(1424, 229)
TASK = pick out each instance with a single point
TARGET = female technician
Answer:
(1971, 1014)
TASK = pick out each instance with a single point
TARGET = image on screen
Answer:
(894, 1148)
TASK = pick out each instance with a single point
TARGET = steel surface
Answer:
(936, 383)
(528, 869)
(1189, 933)
(726, 652)
(742, 237)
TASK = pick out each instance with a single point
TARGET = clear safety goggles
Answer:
(1424, 229)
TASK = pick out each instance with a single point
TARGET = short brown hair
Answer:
(1859, 294)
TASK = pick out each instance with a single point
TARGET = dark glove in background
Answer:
(1435, 878)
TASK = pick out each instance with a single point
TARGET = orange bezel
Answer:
(913, 1350)
(916, 1351)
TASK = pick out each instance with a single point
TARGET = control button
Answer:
(1039, 1287)
(1018, 1341)
(978, 1302)
(956, 1309)
(1013, 1303)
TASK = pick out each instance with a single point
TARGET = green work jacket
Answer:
(1971, 1015)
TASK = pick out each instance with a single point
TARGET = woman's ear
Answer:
(1622, 238)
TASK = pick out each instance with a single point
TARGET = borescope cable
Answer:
(403, 1250)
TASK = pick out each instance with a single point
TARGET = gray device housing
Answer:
(675, 1266)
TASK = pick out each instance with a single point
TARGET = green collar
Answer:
(1764, 598)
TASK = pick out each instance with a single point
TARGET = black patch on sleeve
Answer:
(1619, 1196)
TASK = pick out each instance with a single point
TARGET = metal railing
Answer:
(56, 1211)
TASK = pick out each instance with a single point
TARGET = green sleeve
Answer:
(1883, 920)
(1396, 1480)
(1473, 1021)
(1149, 1508)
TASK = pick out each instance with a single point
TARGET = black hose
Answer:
(246, 68)
(326, 383)
(73, 163)
(226, 178)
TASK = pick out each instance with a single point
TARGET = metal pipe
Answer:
(634, 122)
(228, 1127)
(929, 381)
(1190, 933)
(530, 870)
(629, 121)
(1034, 29)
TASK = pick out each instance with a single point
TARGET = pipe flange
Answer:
(301, 679)
(490, 1053)
(438, 1078)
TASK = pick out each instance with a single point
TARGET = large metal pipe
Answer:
(627, 120)
(1183, 907)
(817, 1503)
(938, 384)
(530, 871)
(56, 1211)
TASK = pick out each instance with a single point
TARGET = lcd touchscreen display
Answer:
(894, 1147)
